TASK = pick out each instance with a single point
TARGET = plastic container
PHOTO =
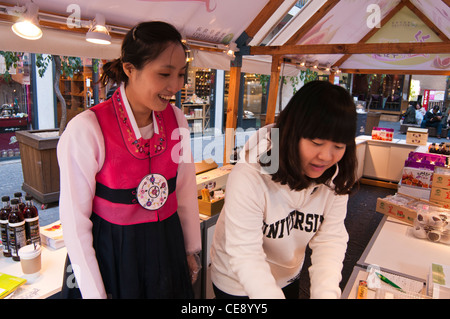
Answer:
(30, 260)
(433, 226)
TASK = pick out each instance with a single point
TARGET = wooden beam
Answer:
(232, 112)
(427, 21)
(354, 48)
(391, 71)
(262, 17)
(331, 77)
(273, 89)
(310, 23)
(372, 32)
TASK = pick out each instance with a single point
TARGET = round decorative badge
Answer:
(153, 191)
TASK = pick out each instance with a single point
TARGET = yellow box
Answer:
(439, 194)
(396, 211)
(441, 180)
(418, 136)
(213, 179)
(210, 208)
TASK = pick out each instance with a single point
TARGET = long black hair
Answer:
(142, 44)
(318, 110)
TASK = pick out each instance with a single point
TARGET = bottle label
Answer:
(32, 230)
(17, 237)
(4, 234)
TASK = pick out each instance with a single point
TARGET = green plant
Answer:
(308, 75)
(11, 59)
(263, 80)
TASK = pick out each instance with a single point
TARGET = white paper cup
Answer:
(30, 260)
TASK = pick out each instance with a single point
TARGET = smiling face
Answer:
(318, 155)
(150, 88)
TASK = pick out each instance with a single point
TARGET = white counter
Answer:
(383, 160)
(50, 280)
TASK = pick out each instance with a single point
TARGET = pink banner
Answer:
(210, 4)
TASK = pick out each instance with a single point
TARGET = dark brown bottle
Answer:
(31, 215)
(18, 195)
(16, 230)
(4, 215)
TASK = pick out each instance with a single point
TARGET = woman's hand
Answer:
(194, 265)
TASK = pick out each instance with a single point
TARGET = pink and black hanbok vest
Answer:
(137, 183)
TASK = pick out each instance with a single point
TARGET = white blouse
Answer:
(81, 154)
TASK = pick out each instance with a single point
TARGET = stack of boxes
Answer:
(382, 134)
(423, 198)
(416, 135)
(417, 175)
(440, 187)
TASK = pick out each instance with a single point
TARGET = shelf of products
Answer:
(78, 91)
(203, 83)
(197, 115)
(75, 92)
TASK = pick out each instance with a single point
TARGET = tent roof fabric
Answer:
(319, 22)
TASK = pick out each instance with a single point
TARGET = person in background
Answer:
(433, 119)
(128, 201)
(420, 112)
(273, 212)
(410, 115)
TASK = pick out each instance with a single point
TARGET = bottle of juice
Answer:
(16, 229)
(18, 195)
(4, 215)
(31, 215)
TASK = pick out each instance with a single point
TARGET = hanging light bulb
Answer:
(98, 33)
(231, 49)
(316, 64)
(27, 26)
(303, 62)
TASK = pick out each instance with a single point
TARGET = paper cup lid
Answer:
(29, 251)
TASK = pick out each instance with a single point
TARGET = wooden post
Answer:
(232, 111)
(331, 77)
(273, 89)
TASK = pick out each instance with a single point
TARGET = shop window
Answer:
(15, 101)
(197, 99)
(380, 91)
(253, 101)
(81, 91)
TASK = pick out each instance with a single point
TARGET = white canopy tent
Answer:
(364, 36)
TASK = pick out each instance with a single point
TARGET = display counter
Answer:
(394, 247)
(396, 251)
(384, 160)
(51, 276)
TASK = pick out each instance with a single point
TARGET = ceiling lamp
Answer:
(303, 62)
(27, 26)
(98, 33)
(231, 49)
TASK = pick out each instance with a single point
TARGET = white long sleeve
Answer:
(262, 233)
(328, 250)
(81, 155)
(243, 239)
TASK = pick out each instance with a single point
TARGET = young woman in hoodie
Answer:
(289, 190)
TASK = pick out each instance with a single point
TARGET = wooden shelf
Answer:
(199, 120)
